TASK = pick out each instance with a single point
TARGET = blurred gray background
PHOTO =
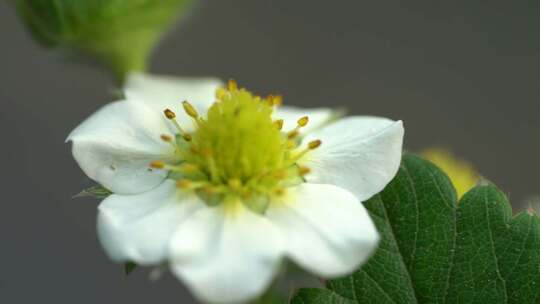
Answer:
(464, 76)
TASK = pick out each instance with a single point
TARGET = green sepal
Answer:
(129, 267)
(119, 33)
(97, 191)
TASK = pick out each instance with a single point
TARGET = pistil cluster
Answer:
(237, 152)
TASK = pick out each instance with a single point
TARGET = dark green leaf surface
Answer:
(436, 251)
(497, 258)
(319, 296)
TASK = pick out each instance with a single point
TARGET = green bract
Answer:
(434, 250)
(121, 33)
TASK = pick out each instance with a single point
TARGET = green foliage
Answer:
(272, 296)
(315, 295)
(434, 250)
(121, 33)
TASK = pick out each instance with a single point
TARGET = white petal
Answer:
(360, 154)
(226, 256)
(139, 227)
(167, 92)
(116, 144)
(328, 231)
(318, 117)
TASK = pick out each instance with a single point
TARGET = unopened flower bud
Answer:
(119, 33)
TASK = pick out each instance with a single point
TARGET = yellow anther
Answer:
(157, 164)
(302, 122)
(278, 100)
(172, 117)
(190, 110)
(293, 134)
(314, 144)
(187, 137)
(220, 92)
(169, 114)
(303, 170)
(270, 100)
(279, 124)
(183, 184)
(166, 138)
(232, 85)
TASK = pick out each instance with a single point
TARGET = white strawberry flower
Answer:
(227, 185)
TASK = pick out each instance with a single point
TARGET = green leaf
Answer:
(129, 267)
(497, 257)
(318, 296)
(272, 296)
(97, 191)
(434, 250)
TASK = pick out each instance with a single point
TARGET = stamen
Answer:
(169, 114)
(184, 168)
(270, 100)
(292, 134)
(166, 138)
(303, 170)
(172, 117)
(314, 144)
(170, 140)
(187, 137)
(278, 100)
(302, 122)
(158, 164)
(190, 110)
(232, 85)
(279, 124)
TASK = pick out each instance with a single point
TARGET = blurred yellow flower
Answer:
(460, 172)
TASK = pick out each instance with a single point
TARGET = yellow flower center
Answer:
(237, 152)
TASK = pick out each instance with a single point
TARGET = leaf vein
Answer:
(398, 248)
(379, 287)
(492, 243)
